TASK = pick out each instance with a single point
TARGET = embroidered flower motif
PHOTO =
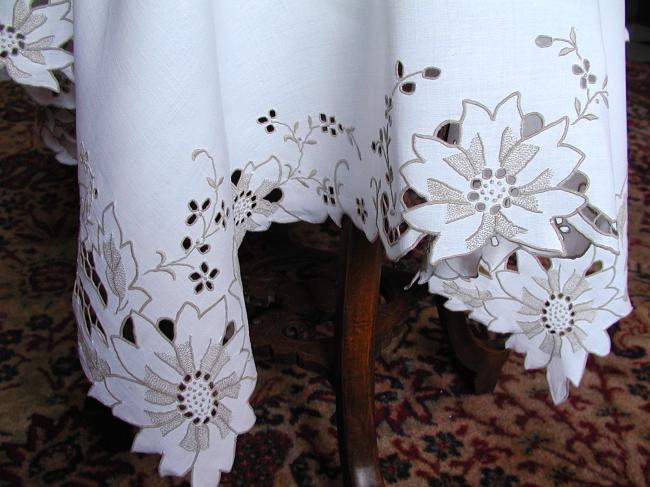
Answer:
(582, 107)
(187, 392)
(361, 209)
(497, 181)
(196, 211)
(252, 206)
(30, 41)
(204, 278)
(557, 316)
(268, 121)
(586, 78)
(329, 124)
(328, 193)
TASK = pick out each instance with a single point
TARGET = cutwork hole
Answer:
(166, 327)
(274, 196)
(594, 268)
(603, 224)
(411, 198)
(449, 132)
(127, 330)
(545, 262)
(531, 124)
(228, 334)
(512, 264)
(577, 182)
(234, 177)
(589, 213)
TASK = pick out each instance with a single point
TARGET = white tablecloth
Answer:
(494, 130)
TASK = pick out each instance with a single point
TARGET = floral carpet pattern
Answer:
(432, 430)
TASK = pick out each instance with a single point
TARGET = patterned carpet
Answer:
(432, 430)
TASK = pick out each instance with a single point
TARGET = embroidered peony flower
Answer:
(556, 316)
(31, 40)
(499, 181)
(187, 392)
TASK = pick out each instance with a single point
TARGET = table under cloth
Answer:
(494, 131)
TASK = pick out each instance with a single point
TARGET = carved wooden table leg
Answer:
(355, 405)
(480, 356)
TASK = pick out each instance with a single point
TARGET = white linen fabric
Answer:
(495, 131)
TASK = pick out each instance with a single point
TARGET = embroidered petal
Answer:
(506, 313)
(132, 395)
(596, 341)
(535, 357)
(177, 461)
(553, 154)
(436, 159)
(451, 245)
(428, 217)
(147, 441)
(38, 73)
(243, 416)
(539, 233)
(136, 359)
(573, 363)
(557, 381)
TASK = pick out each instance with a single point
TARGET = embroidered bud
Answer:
(431, 73)
(544, 41)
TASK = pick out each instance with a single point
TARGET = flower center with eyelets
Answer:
(492, 190)
(196, 398)
(558, 315)
(243, 205)
(10, 41)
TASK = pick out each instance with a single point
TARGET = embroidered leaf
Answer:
(309, 121)
(407, 88)
(197, 152)
(310, 142)
(578, 106)
(605, 82)
(572, 36)
(296, 126)
(399, 69)
(212, 182)
(162, 265)
(565, 50)
(591, 116)
(605, 99)
(114, 269)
